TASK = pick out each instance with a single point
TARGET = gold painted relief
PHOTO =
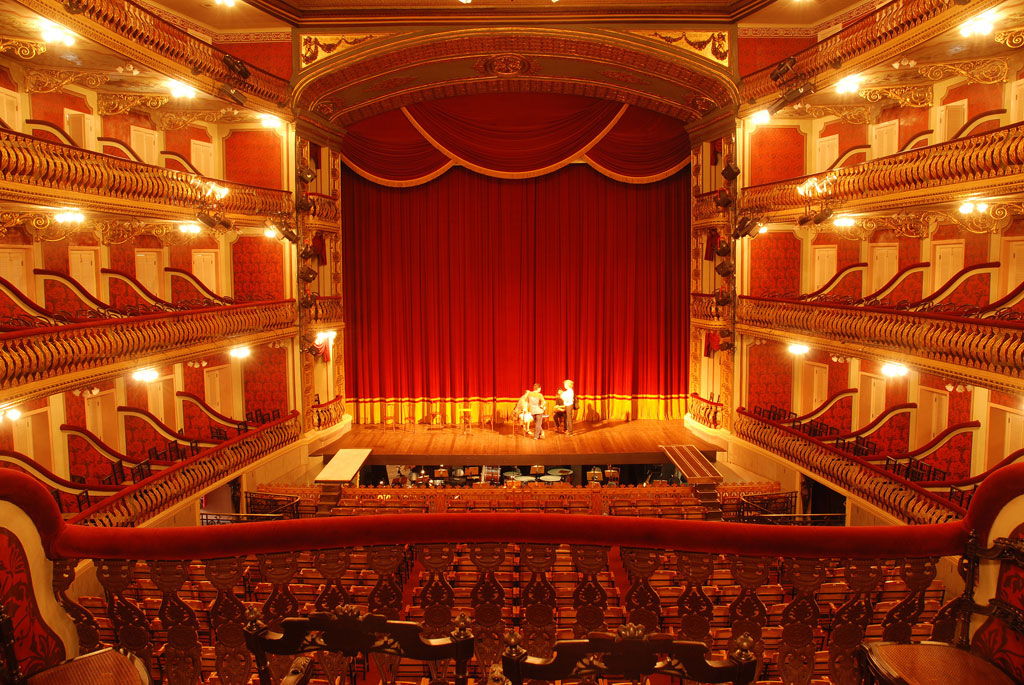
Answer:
(713, 45)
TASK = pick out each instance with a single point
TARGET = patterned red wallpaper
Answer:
(265, 377)
(996, 641)
(180, 257)
(180, 140)
(777, 153)
(119, 126)
(850, 136)
(258, 268)
(36, 645)
(777, 260)
(981, 97)
(253, 157)
(771, 376)
(757, 52)
(50, 107)
(847, 253)
(913, 122)
(274, 57)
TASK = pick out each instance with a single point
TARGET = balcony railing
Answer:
(871, 31)
(989, 156)
(992, 345)
(146, 499)
(889, 492)
(704, 206)
(62, 168)
(145, 29)
(328, 414)
(325, 208)
(702, 306)
(277, 566)
(705, 412)
(39, 353)
(329, 310)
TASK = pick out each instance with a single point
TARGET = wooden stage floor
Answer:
(636, 442)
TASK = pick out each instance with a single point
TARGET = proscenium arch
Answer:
(691, 86)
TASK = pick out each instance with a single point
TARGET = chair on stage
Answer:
(489, 416)
(390, 412)
(410, 417)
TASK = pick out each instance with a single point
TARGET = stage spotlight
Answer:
(236, 66)
(730, 171)
(723, 199)
(225, 223)
(823, 215)
(307, 274)
(305, 174)
(775, 107)
(804, 220)
(725, 269)
(288, 234)
(741, 226)
(303, 204)
(723, 299)
(724, 249)
(307, 252)
(783, 68)
(206, 220)
(794, 94)
(307, 301)
(232, 93)
(725, 346)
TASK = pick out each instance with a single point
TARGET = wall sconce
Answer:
(240, 352)
(145, 375)
(893, 370)
(798, 349)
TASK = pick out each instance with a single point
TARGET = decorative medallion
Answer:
(119, 103)
(21, 48)
(316, 48)
(51, 80)
(703, 104)
(851, 114)
(505, 65)
(327, 108)
(906, 96)
(1012, 38)
(713, 45)
(991, 70)
(624, 77)
(390, 84)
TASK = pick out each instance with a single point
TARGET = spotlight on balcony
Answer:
(725, 346)
(725, 269)
(303, 204)
(723, 298)
(232, 94)
(307, 274)
(305, 174)
(730, 171)
(783, 68)
(804, 220)
(236, 66)
(206, 219)
(723, 199)
(289, 234)
(823, 215)
(724, 249)
(307, 252)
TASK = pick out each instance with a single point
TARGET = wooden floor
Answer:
(631, 442)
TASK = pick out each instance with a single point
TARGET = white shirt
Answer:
(568, 397)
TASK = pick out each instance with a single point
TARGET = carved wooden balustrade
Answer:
(894, 494)
(709, 582)
(136, 504)
(142, 28)
(991, 345)
(994, 157)
(41, 353)
(703, 307)
(329, 310)
(325, 209)
(704, 411)
(61, 169)
(704, 207)
(871, 31)
(328, 414)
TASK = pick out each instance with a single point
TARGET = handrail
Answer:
(43, 475)
(210, 411)
(27, 305)
(162, 429)
(875, 425)
(138, 288)
(145, 499)
(141, 26)
(868, 481)
(329, 308)
(990, 154)
(38, 353)
(1010, 299)
(898, 278)
(32, 161)
(706, 412)
(703, 306)
(834, 281)
(821, 409)
(191, 279)
(329, 413)
(105, 450)
(981, 477)
(325, 208)
(934, 444)
(946, 289)
(77, 288)
(867, 33)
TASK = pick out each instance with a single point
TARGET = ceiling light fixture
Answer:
(893, 370)
(145, 375)
(849, 84)
(240, 352)
(181, 90)
(760, 117)
(71, 216)
(782, 68)
(52, 33)
(189, 228)
(225, 3)
(798, 348)
(270, 121)
(844, 222)
(980, 25)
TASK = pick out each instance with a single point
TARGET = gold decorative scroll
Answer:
(316, 48)
(42, 227)
(119, 103)
(906, 96)
(1011, 38)
(991, 70)
(713, 45)
(851, 114)
(21, 48)
(172, 121)
(9, 220)
(53, 80)
(919, 224)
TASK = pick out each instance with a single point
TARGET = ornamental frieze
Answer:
(319, 47)
(851, 114)
(712, 45)
(906, 96)
(991, 70)
(53, 80)
(21, 48)
(119, 103)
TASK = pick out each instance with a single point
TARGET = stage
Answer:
(620, 442)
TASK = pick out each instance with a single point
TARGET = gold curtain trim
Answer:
(393, 182)
(634, 179)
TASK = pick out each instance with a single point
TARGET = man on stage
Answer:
(537, 405)
(569, 401)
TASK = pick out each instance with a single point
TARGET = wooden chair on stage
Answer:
(489, 416)
(390, 412)
(410, 417)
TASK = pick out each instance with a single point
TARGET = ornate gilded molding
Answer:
(52, 80)
(172, 121)
(713, 45)
(995, 218)
(21, 48)
(316, 48)
(1011, 38)
(506, 65)
(111, 231)
(906, 96)
(991, 70)
(851, 114)
(119, 103)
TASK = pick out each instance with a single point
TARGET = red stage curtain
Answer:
(441, 283)
(515, 135)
